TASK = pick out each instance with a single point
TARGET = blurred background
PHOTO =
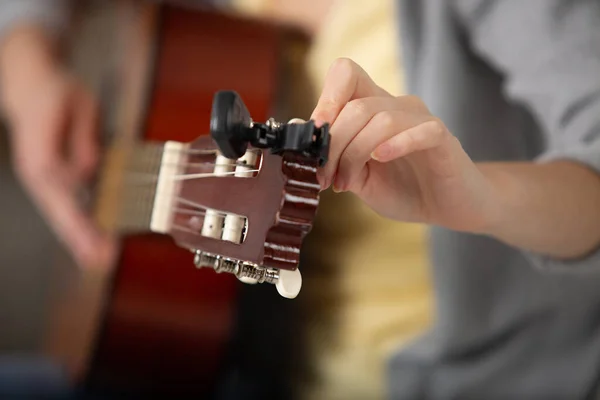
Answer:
(366, 281)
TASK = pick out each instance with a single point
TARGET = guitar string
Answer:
(199, 211)
(144, 196)
(202, 151)
(197, 205)
(198, 164)
(145, 178)
(185, 177)
(152, 178)
(187, 211)
(205, 208)
(161, 149)
(185, 229)
(201, 164)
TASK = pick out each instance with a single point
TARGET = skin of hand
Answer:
(406, 165)
(396, 156)
(52, 120)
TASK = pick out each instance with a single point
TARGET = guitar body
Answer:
(167, 327)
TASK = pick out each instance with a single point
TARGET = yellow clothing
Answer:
(372, 290)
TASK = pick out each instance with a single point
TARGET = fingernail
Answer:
(338, 185)
(381, 152)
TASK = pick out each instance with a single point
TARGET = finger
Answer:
(345, 81)
(56, 197)
(383, 126)
(48, 179)
(84, 145)
(425, 136)
(352, 119)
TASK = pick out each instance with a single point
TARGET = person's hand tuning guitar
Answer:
(52, 120)
(405, 163)
(396, 156)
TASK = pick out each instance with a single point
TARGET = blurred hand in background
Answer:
(52, 119)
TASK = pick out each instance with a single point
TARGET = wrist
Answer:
(496, 210)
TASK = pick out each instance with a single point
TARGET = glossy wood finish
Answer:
(280, 204)
(168, 325)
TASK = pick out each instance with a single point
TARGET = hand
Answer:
(53, 120)
(397, 157)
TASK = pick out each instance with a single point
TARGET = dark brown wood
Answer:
(280, 203)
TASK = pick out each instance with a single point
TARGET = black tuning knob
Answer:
(230, 124)
(232, 129)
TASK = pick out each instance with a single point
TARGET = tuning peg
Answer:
(248, 280)
(289, 283)
(202, 260)
(230, 123)
(232, 129)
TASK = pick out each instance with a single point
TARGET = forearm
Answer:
(50, 15)
(26, 52)
(552, 209)
(29, 33)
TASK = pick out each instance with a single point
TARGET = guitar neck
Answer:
(127, 188)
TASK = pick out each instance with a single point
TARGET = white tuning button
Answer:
(248, 280)
(289, 283)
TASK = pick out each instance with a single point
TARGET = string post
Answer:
(218, 263)
(245, 272)
(202, 259)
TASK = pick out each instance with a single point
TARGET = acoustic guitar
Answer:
(192, 205)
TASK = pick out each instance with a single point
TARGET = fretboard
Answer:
(128, 186)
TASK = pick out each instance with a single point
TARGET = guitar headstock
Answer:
(244, 198)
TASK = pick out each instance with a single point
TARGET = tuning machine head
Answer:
(288, 283)
(230, 124)
(246, 196)
(233, 131)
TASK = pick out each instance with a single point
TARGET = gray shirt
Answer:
(513, 80)
(52, 14)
